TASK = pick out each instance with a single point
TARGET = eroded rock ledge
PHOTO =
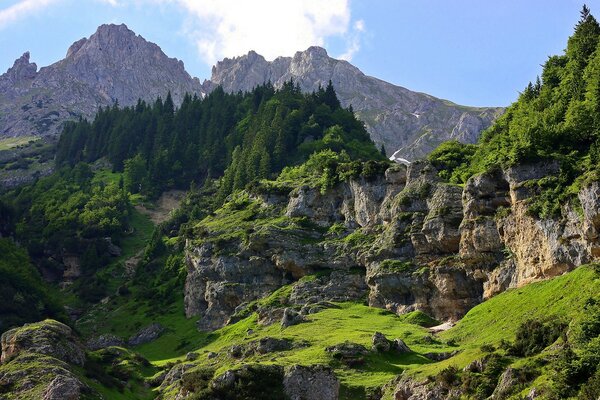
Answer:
(404, 240)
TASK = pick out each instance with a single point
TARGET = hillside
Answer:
(258, 245)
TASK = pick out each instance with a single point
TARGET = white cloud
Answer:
(271, 27)
(226, 28)
(353, 40)
(22, 9)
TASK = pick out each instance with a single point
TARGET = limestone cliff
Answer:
(404, 239)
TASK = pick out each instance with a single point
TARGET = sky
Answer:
(472, 52)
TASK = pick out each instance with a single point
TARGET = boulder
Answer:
(48, 337)
(380, 343)
(310, 383)
(399, 346)
(147, 334)
(351, 354)
(506, 384)
(291, 317)
(63, 388)
(103, 341)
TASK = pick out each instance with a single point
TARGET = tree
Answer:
(135, 173)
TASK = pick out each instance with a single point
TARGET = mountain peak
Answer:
(315, 51)
(114, 29)
(22, 68)
(113, 64)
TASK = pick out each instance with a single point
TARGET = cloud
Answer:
(226, 28)
(353, 41)
(22, 9)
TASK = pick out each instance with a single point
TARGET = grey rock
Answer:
(291, 317)
(534, 393)
(401, 347)
(351, 354)
(269, 345)
(48, 337)
(406, 388)
(506, 384)
(63, 388)
(191, 356)
(174, 375)
(103, 341)
(310, 383)
(114, 64)
(146, 334)
(224, 381)
(380, 343)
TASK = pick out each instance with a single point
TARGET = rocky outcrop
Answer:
(37, 361)
(310, 383)
(50, 338)
(104, 341)
(112, 65)
(412, 123)
(404, 239)
(146, 334)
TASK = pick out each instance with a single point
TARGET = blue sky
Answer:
(472, 52)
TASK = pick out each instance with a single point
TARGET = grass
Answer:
(499, 317)
(11, 143)
(348, 322)
(124, 318)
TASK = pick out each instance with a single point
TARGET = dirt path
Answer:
(167, 202)
(441, 328)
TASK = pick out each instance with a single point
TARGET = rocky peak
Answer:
(74, 48)
(22, 69)
(314, 52)
(112, 65)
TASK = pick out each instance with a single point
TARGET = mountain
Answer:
(112, 65)
(116, 65)
(409, 123)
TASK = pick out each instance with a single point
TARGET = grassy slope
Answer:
(350, 322)
(498, 318)
(487, 323)
(10, 143)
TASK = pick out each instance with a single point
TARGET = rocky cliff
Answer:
(404, 239)
(112, 65)
(411, 123)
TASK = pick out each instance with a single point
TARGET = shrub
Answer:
(534, 336)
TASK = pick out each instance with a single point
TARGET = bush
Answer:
(534, 336)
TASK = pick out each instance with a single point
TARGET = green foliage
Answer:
(534, 336)
(451, 159)
(240, 137)
(24, 297)
(555, 118)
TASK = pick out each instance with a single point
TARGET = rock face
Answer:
(37, 359)
(147, 334)
(114, 64)
(403, 239)
(310, 383)
(50, 338)
(412, 123)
